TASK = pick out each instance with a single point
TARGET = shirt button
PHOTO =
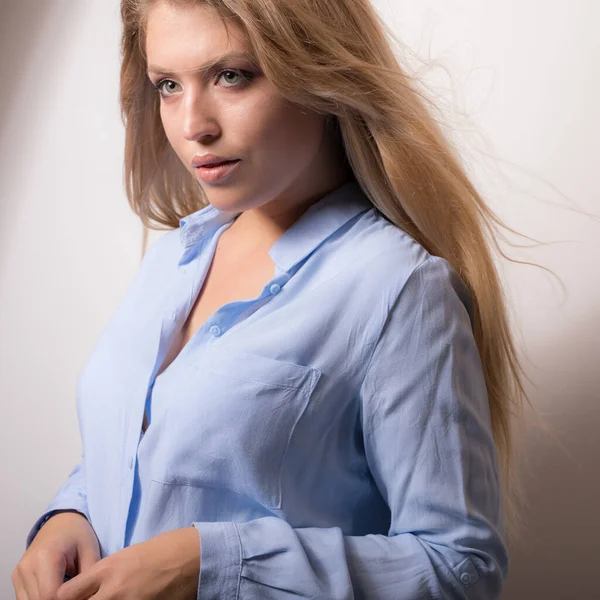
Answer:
(131, 462)
(215, 330)
(173, 315)
(465, 578)
(274, 288)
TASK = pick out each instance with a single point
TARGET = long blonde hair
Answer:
(334, 57)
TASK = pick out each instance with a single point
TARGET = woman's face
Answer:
(233, 111)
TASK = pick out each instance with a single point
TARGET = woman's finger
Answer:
(19, 585)
(81, 587)
(49, 577)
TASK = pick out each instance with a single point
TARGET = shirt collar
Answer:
(322, 218)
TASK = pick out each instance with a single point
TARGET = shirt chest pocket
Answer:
(230, 422)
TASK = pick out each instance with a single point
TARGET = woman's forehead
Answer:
(190, 38)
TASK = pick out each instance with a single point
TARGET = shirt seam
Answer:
(367, 414)
(376, 342)
(239, 582)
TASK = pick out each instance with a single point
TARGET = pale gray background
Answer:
(527, 75)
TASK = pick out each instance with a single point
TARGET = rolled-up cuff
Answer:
(220, 561)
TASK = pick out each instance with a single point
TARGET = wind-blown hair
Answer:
(334, 57)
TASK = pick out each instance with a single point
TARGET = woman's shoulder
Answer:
(382, 252)
(389, 260)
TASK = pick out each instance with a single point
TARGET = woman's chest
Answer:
(226, 281)
(241, 411)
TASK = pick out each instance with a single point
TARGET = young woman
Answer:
(306, 390)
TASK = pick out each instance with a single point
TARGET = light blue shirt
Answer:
(329, 438)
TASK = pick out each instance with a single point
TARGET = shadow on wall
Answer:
(24, 29)
(558, 556)
(33, 36)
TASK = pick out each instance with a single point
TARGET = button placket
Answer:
(171, 313)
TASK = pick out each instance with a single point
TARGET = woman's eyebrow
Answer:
(205, 68)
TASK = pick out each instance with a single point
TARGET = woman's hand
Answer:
(165, 566)
(66, 544)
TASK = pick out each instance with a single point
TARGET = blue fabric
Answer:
(329, 438)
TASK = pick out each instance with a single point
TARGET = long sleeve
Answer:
(70, 496)
(429, 446)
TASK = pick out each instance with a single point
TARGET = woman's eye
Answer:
(240, 78)
(244, 76)
(159, 86)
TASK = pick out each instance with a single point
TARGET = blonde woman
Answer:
(306, 390)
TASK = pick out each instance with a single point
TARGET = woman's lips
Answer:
(217, 172)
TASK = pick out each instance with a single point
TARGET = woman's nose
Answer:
(199, 118)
